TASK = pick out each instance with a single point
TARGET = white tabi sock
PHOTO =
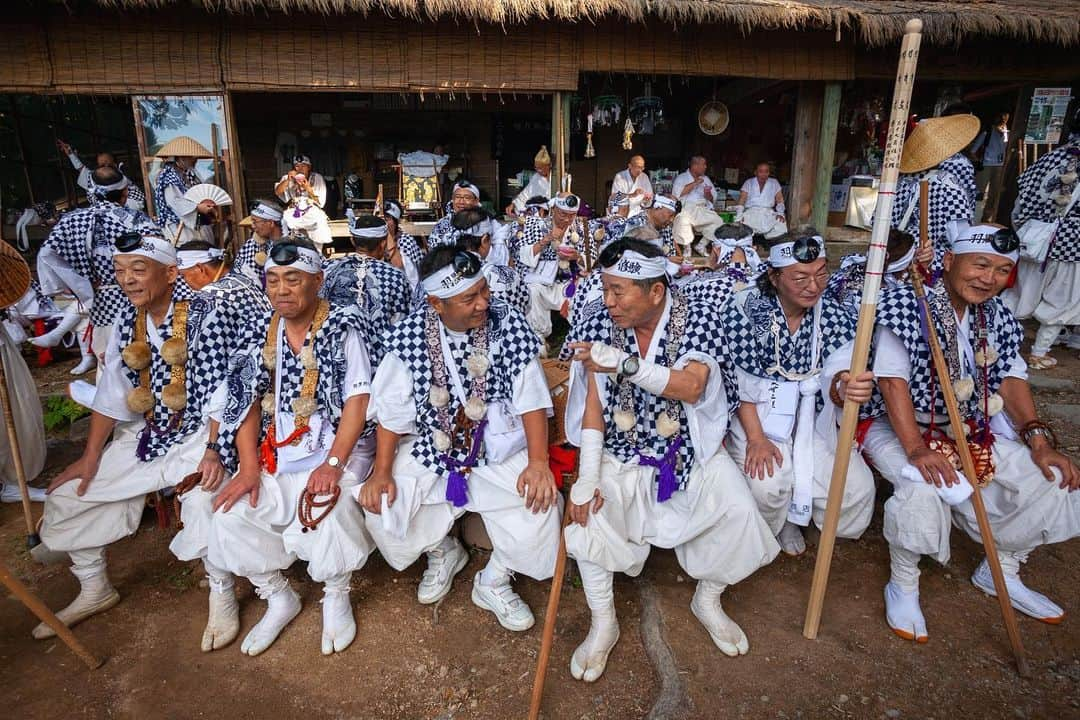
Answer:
(339, 625)
(223, 618)
(725, 632)
(494, 573)
(1030, 602)
(590, 658)
(96, 594)
(902, 610)
(282, 605)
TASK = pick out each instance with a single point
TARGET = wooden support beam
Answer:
(1014, 166)
(830, 120)
(805, 152)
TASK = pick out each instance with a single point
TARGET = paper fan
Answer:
(713, 118)
(207, 191)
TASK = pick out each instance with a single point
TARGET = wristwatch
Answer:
(630, 366)
(333, 461)
(214, 445)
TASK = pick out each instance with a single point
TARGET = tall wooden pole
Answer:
(548, 635)
(875, 263)
(32, 539)
(830, 120)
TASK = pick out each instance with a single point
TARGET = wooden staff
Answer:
(548, 635)
(33, 604)
(962, 447)
(875, 263)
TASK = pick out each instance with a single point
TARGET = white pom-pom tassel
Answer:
(987, 358)
(964, 387)
(1067, 178)
(268, 404)
(304, 406)
(1062, 200)
(666, 426)
(307, 358)
(439, 396)
(269, 357)
(994, 405)
(442, 440)
(475, 409)
(624, 420)
(477, 365)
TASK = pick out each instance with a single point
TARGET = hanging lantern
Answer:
(607, 109)
(647, 111)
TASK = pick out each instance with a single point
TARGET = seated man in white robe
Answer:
(303, 441)
(539, 183)
(634, 185)
(550, 249)
(1030, 499)
(304, 194)
(164, 361)
(761, 204)
(465, 195)
(649, 400)
(462, 405)
(697, 194)
(791, 349)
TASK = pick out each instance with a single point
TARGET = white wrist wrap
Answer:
(589, 457)
(607, 356)
(651, 378)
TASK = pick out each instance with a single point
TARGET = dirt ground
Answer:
(411, 662)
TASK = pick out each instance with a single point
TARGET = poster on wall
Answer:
(1047, 116)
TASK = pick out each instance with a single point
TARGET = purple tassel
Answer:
(668, 482)
(924, 321)
(457, 487)
(142, 450)
(571, 288)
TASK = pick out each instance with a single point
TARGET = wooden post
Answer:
(143, 159)
(830, 120)
(234, 168)
(1015, 156)
(805, 152)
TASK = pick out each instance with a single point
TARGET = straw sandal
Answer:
(1041, 362)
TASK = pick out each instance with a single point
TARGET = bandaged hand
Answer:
(585, 494)
(739, 210)
(606, 358)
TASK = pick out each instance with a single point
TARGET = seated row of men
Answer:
(331, 416)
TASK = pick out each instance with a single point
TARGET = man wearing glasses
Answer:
(649, 400)
(790, 347)
(300, 402)
(166, 357)
(1029, 495)
(465, 195)
(462, 405)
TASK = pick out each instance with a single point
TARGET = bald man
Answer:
(633, 182)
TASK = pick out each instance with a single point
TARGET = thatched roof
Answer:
(872, 23)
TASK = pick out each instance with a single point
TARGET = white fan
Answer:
(208, 191)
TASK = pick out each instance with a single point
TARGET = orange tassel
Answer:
(268, 449)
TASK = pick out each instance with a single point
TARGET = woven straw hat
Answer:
(14, 275)
(936, 139)
(183, 146)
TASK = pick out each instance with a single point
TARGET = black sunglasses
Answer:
(466, 264)
(1005, 241)
(806, 249)
(285, 253)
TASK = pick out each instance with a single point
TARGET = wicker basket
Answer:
(557, 373)
(14, 275)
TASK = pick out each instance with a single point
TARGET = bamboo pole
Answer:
(548, 635)
(966, 461)
(875, 263)
(33, 604)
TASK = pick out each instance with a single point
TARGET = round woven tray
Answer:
(14, 275)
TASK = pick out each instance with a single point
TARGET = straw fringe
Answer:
(875, 24)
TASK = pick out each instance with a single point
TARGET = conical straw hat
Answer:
(936, 139)
(14, 275)
(183, 146)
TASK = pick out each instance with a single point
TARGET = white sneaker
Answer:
(95, 596)
(9, 493)
(791, 539)
(1071, 340)
(281, 608)
(443, 565)
(903, 613)
(223, 620)
(590, 658)
(338, 623)
(510, 610)
(725, 632)
(1031, 603)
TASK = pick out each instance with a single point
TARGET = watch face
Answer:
(333, 462)
(630, 367)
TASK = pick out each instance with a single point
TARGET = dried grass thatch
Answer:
(873, 23)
